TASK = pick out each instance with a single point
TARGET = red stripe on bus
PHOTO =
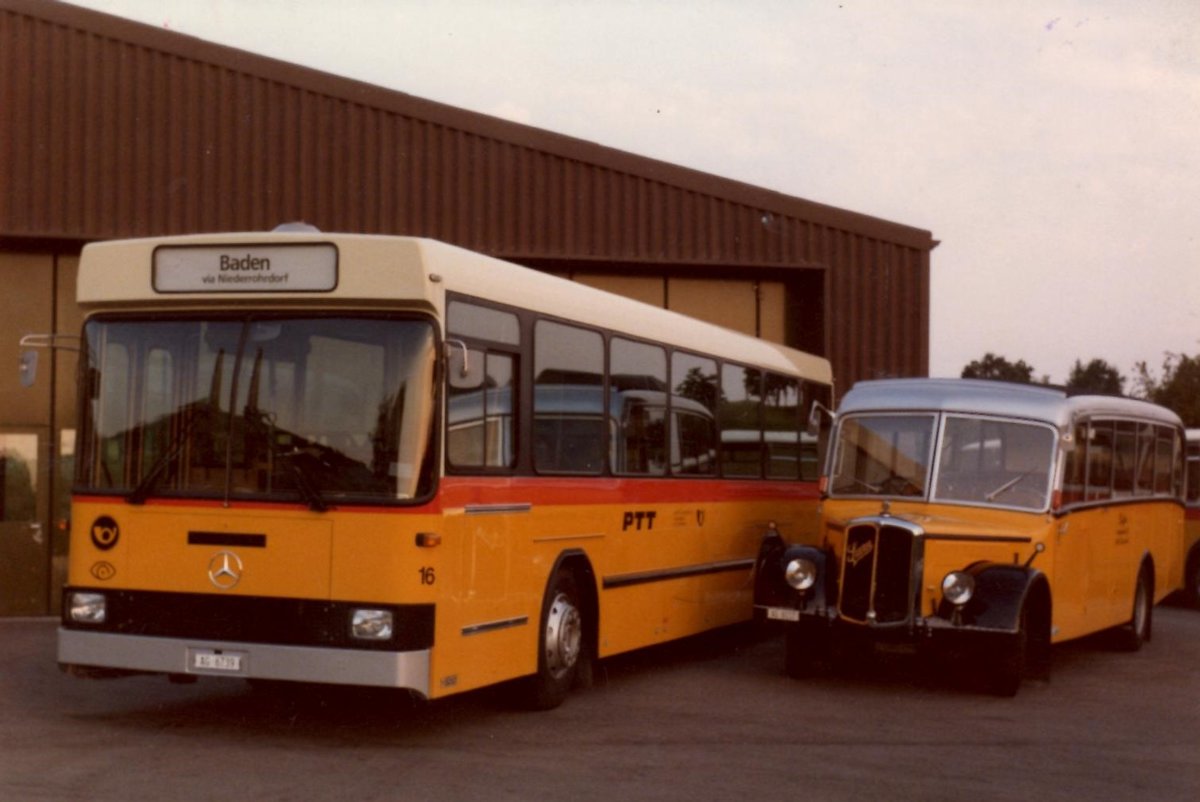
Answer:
(556, 491)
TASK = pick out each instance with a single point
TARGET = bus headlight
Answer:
(371, 624)
(958, 587)
(800, 573)
(87, 608)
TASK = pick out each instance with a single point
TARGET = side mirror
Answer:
(815, 414)
(29, 358)
(464, 367)
(28, 369)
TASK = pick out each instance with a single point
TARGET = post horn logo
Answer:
(105, 533)
(225, 570)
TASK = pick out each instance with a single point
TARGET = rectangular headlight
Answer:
(371, 624)
(87, 608)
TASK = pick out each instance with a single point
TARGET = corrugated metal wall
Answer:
(114, 129)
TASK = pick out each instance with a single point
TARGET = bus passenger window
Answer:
(1124, 457)
(479, 429)
(638, 384)
(693, 415)
(1100, 461)
(569, 431)
(1145, 461)
(1164, 458)
(741, 422)
(781, 426)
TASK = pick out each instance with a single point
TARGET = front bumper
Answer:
(162, 655)
(935, 632)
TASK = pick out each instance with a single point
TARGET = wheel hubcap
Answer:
(564, 634)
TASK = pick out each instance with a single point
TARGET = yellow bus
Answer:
(1191, 578)
(388, 461)
(983, 521)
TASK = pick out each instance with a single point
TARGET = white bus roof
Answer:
(1030, 401)
(412, 272)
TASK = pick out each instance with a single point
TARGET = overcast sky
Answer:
(1052, 147)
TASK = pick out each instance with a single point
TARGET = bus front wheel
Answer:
(560, 644)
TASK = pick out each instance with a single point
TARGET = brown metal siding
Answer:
(115, 129)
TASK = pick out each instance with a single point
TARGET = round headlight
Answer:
(958, 587)
(801, 574)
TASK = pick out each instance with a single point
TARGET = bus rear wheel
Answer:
(560, 644)
(1139, 628)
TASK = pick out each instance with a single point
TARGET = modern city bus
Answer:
(982, 522)
(1191, 546)
(388, 461)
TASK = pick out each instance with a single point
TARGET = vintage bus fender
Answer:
(772, 590)
(1001, 592)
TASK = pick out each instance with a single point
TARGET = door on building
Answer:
(24, 539)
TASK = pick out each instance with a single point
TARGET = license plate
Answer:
(220, 662)
(782, 614)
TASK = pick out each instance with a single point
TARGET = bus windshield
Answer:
(980, 460)
(319, 409)
(883, 455)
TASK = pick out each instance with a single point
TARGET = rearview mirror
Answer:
(815, 414)
(29, 363)
(464, 366)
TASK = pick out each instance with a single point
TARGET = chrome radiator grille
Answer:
(877, 573)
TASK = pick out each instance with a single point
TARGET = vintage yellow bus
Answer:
(985, 521)
(1191, 574)
(388, 461)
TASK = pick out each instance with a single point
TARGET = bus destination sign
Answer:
(308, 267)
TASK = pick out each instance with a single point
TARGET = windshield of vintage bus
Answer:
(989, 461)
(883, 455)
(980, 460)
(317, 409)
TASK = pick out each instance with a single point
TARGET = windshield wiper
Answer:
(140, 493)
(308, 490)
(1009, 485)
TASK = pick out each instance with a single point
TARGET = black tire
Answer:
(1007, 668)
(1141, 621)
(805, 649)
(560, 644)
(1191, 579)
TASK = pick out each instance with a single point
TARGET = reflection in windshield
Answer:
(980, 460)
(883, 455)
(323, 409)
(995, 462)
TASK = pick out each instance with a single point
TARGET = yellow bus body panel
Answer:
(1091, 559)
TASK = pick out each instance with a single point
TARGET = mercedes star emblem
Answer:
(225, 569)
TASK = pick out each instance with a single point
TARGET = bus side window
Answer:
(638, 383)
(1164, 459)
(741, 421)
(1124, 456)
(569, 431)
(479, 426)
(1144, 484)
(694, 422)
(1100, 461)
(781, 426)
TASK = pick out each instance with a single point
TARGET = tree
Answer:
(998, 368)
(1096, 377)
(1177, 390)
